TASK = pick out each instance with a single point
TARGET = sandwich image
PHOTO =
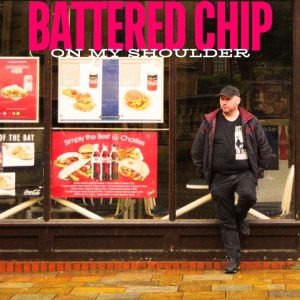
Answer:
(72, 93)
(5, 183)
(84, 102)
(136, 100)
(86, 151)
(14, 92)
(130, 152)
(22, 153)
(75, 171)
(134, 169)
(66, 159)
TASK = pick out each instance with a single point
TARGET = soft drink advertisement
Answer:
(19, 89)
(104, 164)
(110, 90)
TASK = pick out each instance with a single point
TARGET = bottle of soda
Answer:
(93, 76)
(114, 162)
(105, 162)
(28, 84)
(96, 162)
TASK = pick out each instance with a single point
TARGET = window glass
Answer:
(265, 82)
(131, 126)
(21, 113)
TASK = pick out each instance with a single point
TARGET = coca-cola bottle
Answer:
(96, 162)
(283, 144)
(114, 162)
(105, 162)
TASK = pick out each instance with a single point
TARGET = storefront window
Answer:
(265, 82)
(22, 119)
(41, 141)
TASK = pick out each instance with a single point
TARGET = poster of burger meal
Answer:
(21, 163)
(104, 164)
(112, 90)
(19, 89)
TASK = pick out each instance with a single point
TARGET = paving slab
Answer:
(118, 296)
(151, 289)
(212, 276)
(74, 297)
(33, 297)
(231, 287)
(152, 284)
(161, 296)
(15, 285)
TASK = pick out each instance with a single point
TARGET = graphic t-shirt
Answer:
(230, 155)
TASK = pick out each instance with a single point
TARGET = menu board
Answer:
(19, 89)
(104, 164)
(21, 164)
(112, 90)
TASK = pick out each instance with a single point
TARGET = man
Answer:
(231, 152)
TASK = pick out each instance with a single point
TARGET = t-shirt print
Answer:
(240, 150)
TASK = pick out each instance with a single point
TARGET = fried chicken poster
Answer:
(19, 89)
(104, 164)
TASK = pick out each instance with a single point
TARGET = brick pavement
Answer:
(186, 284)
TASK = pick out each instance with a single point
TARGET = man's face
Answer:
(229, 104)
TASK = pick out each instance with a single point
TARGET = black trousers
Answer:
(223, 188)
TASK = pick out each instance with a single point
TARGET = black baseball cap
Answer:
(229, 91)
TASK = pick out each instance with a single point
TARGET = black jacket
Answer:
(255, 141)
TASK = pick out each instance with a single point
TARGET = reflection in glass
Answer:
(265, 82)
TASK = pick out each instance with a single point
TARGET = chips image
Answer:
(72, 93)
(14, 92)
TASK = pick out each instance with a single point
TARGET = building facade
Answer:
(46, 214)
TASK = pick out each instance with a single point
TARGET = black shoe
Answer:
(232, 266)
(243, 228)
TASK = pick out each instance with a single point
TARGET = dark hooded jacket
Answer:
(255, 141)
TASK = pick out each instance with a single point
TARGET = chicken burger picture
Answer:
(136, 100)
(84, 102)
(134, 169)
(86, 151)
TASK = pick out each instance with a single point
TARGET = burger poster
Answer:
(19, 89)
(110, 90)
(104, 164)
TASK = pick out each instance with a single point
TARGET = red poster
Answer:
(19, 88)
(104, 164)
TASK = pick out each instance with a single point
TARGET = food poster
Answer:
(22, 162)
(19, 89)
(112, 90)
(7, 184)
(104, 164)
